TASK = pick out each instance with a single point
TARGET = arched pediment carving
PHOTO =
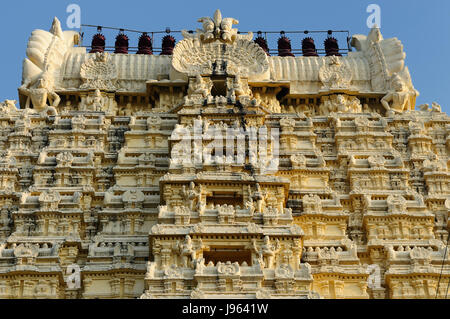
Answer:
(99, 72)
(243, 57)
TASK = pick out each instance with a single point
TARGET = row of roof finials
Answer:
(168, 44)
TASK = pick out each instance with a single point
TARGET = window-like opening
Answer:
(219, 86)
(237, 254)
(218, 198)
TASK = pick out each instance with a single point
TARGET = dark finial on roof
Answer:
(332, 47)
(121, 43)
(284, 46)
(308, 47)
(145, 45)
(98, 43)
(168, 44)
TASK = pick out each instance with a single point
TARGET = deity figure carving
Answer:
(200, 87)
(200, 266)
(312, 204)
(64, 159)
(192, 197)
(320, 159)
(267, 252)
(249, 203)
(374, 276)
(238, 88)
(133, 198)
(39, 93)
(433, 164)
(46, 51)
(154, 122)
(260, 197)
(250, 206)
(399, 98)
(268, 100)
(340, 103)
(95, 102)
(73, 279)
(396, 204)
(187, 252)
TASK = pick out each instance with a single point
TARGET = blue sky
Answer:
(422, 26)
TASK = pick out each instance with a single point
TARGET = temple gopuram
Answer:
(219, 170)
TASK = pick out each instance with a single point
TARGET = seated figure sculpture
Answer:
(199, 87)
(39, 92)
(398, 99)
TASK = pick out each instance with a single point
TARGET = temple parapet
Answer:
(375, 71)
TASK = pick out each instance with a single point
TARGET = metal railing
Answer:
(343, 37)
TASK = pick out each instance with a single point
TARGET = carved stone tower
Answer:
(215, 170)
